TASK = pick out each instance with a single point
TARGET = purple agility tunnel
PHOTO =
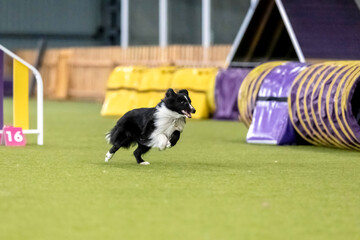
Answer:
(227, 86)
(271, 123)
(249, 90)
(324, 104)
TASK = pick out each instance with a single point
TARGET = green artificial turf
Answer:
(212, 185)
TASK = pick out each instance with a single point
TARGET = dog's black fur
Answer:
(148, 126)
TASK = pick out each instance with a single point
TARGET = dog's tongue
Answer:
(187, 114)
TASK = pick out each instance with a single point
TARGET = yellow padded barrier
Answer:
(200, 83)
(121, 92)
(153, 86)
(21, 95)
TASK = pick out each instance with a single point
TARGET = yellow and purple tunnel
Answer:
(323, 101)
(324, 104)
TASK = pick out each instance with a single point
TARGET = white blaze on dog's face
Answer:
(179, 102)
(192, 109)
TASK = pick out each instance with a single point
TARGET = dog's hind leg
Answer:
(111, 152)
(123, 143)
(141, 149)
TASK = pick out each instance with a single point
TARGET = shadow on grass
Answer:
(174, 166)
(317, 149)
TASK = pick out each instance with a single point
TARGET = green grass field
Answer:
(212, 185)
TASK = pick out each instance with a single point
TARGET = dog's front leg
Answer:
(163, 142)
(174, 138)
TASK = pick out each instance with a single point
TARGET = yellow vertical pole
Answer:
(21, 95)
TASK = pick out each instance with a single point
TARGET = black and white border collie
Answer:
(157, 127)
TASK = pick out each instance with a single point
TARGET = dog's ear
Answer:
(184, 91)
(170, 92)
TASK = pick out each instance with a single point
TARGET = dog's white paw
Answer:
(168, 145)
(144, 163)
(108, 156)
(163, 142)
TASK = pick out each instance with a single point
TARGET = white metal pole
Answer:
(241, 32)
(40, 108)
(163, 23)
(124, 23)
(206, 23)
(290, 31)
(253, 2)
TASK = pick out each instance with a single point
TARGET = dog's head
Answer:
(179, 102)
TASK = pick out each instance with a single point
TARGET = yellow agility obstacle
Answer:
(121, 91)
(21, 95)
(153, 86)
(137, 87)
(200, 82)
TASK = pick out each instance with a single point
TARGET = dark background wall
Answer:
(65, 22)
(143, 18)
(227, 17)
(86, 23)
(96, 22)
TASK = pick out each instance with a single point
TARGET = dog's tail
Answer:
(112, 135)
(108, 137)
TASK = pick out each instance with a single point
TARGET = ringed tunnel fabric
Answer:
(271, 123)
(323, 102)
(322, 107)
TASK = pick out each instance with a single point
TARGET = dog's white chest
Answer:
(166, 122)
(176, 124)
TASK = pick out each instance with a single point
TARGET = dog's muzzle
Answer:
(188, 113)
